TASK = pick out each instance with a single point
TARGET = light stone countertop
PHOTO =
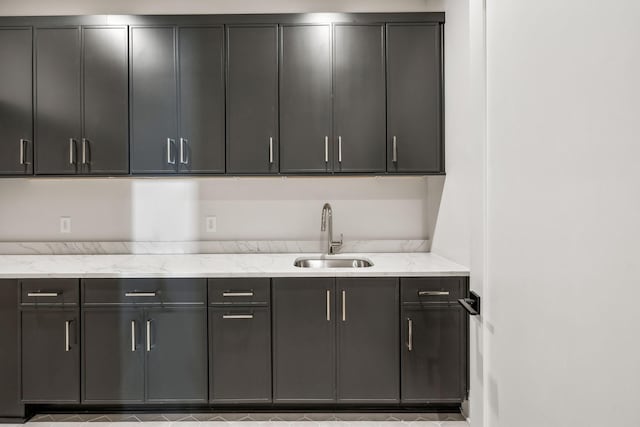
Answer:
(412, 264)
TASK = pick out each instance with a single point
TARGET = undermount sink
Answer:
(332, 263)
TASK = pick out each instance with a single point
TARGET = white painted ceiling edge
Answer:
(83, 7)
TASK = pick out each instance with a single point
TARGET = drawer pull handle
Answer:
(410, 326)
(43, 294)
(237, 294)
(433, 293)
(140, 294)
(344, 305)
(237, 316)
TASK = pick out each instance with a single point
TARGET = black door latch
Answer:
(471, 304)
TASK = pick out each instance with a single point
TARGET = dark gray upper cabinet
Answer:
(201, 76)
(359, 105)
(113, 356)
(58, 129)
(177, 100)
(303, 340)
(154, 117)
(414, 98)
(50, 356)
(305, 99)
(81, 101)
(368, 335)
(104, 148)
(10, 405)
(252, 99)
(433, 354)
(176, 355)
(16, 101)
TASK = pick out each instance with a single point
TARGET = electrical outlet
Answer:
(210, 224)
(65, 224)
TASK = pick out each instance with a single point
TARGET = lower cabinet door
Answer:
(368, 336)
(240, 343)
(50, 356)
(304, 340)
(433, 354)
(113, 370)
(176, 355)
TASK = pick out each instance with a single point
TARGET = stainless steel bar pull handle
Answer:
(84, 151)
(23, 152)
(42, 294)
(67, 344)
(237, 316)
(133, 335)
(139, 294)
(169, 144)
(271, 149)
(328, 305)
(340, 149)
(432, 293)
(326, 149)
(72, 149)
(410, 343)
(183, 159)
(344, 305)
(395, 150)
(148, 335)
(236, 294)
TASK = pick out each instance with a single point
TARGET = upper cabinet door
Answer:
(414, 98)
(16, 102)
(359, 99)
(305, 99)
(252, 99)
(154, 124)
(58, 114)
(104, 148)
(201, 137)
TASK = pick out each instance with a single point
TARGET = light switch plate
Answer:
(210, 224)
(65, 224)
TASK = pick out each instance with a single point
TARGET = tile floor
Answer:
(250, 420)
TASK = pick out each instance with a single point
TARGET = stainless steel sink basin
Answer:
(332, 263)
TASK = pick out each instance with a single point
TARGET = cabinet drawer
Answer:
(144, 291)
(49, 291)
(431, 289)
(239, 291)
(240, 358)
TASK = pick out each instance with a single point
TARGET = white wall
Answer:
(157, 209)
(563, 213)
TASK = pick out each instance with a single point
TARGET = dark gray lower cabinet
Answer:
(10, 405)
(368, 356)
(50, 355)
(113, 356)
(240, 355)
(433, 354)
(303, 340)
(176, 355)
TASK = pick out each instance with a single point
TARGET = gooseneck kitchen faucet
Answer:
(327, 217)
